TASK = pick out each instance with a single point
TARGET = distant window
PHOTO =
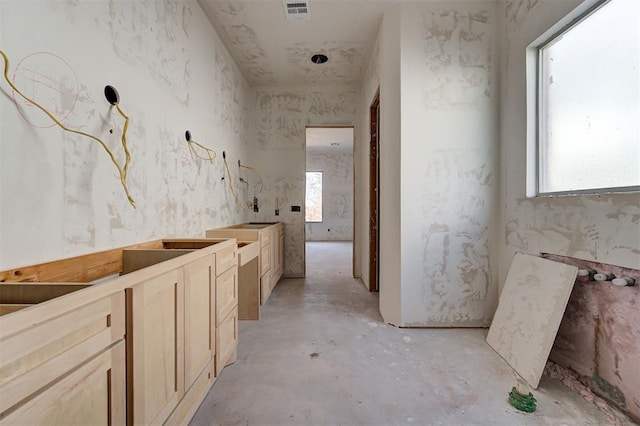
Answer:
(313, 200)
(589, 103)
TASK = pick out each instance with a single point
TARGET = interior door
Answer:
(374, 193)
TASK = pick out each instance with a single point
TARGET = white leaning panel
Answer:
(529, 313)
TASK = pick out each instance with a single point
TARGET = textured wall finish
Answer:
(457, 58)
(273, 50)
(337, 186)
(449, 163)
(244, 38)
(282, 115)
(603, 228)
(597, 338)
(60, 193)
(456, 251)
(342, 56)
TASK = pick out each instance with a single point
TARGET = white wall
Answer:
(436, 66)
(60, 195)
(337, 195)
(602, 227)
(449, 163)
(282, 114)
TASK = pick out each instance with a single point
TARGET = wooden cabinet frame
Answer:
(68, 356)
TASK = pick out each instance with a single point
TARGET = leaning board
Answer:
(531, 307)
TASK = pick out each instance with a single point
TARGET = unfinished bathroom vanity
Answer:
(133, 335)
(270, 236)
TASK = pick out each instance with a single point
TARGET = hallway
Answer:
(321, 355)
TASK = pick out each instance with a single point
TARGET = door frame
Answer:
(353, 196)
(374, 193)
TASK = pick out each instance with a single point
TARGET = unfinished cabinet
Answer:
(270, 236)
(65, 359)
(65, 364)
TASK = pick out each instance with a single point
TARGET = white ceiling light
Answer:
(297, 10)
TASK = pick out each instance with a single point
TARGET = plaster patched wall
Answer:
(232, 16)
(60, 194)
(596, 338)
(282, 115)
(449, 163)
(605, 227)
(455, 237)
(344, 63)
(337, 194)
(457, 52)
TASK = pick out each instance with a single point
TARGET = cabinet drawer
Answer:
(40, 354)
(226, 258)
(265, 259)
(226, 341)
(91, 394)
(265, 238)
(226, 294)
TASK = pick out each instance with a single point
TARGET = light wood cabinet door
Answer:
(93, 394)
(199, 318)
(265, 250)
(226, 294)
(226, 258)
(155, 349)
(227, 341)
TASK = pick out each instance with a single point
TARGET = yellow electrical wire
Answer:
(233, 191)
(254, 170)
(122, 171)
(206, 149)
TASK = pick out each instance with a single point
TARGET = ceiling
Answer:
(272, 50)
(333, 139)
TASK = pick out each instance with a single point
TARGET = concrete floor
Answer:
(321, 355)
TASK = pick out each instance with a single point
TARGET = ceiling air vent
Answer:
(296, 10)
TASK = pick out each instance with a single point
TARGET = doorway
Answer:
(329, 193)
(374, 194)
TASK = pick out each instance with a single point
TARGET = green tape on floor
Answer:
(526, 403)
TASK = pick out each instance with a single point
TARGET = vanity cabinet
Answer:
(64, 357)
(270, 236)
